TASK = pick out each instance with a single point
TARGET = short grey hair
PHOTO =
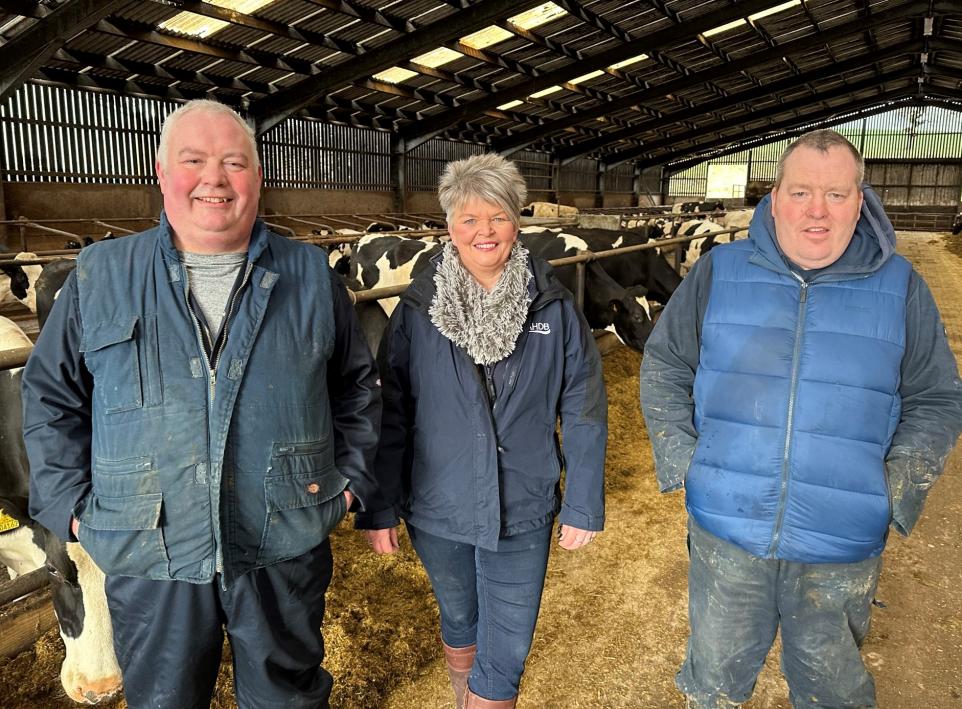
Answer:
(488, 177)
(210, 107)
(821, 140)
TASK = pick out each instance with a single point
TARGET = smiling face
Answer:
(483, 234)
(211, 183)
(816, 206)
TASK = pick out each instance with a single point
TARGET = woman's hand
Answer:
(382, 541)
(573, 538)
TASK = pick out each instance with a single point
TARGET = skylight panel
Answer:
(775, 10)
(437, 57)
(723, 28)
(547, 92)
(486, 37)
(756, 16)
(537, 16)
(629, 62)
(587, 77)
(394, 75)
(200, 26)
(528, 20)
(509, 105)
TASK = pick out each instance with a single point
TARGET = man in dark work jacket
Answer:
(800, 387)
(201, 409)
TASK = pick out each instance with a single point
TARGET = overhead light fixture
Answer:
(394, 75)
(587, 77)
(194, 25)
(437, 57)
(509, 105)
(546, 92)
(629, 62)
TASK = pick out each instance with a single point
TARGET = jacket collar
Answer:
(257, 245)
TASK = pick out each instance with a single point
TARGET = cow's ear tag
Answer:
(7, 522)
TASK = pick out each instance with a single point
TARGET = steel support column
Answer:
(399, 174)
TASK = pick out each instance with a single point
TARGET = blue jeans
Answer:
(490, 598)
(736, 602)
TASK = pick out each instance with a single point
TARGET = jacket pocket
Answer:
(123, 534)
(125, 362)
(302, 509)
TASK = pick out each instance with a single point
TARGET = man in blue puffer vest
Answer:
(200, 410)
(800, 387)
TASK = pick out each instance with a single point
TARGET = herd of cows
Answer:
(622, 294)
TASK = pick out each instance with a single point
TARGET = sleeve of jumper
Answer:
(668, 377)
(57, 391)
(393, 452)
(355, 396)
(931, 408)
(584, 426)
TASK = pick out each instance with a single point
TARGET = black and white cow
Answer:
(617, 289)
(17, 282)
(957, 224)
(89, 673)
(701, 246)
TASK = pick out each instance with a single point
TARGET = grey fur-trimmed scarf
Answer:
(485, 324)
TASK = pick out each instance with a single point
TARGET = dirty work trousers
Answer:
(168, 636)
(736, 603)
(490, 598)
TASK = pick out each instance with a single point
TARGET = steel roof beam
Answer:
(741, 120)
(278, 29)
(790, 82)
(902, 98)
(799, 119)
(416, 135)
(271, 111)
(751, 61)
(23, 55)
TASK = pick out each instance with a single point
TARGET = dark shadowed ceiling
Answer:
(647, 81)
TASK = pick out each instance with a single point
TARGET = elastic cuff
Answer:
(382, 519)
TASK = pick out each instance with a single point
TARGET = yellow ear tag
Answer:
(7, 522)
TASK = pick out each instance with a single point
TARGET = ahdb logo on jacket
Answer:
(540, 328)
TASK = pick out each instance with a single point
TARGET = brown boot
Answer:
(473, 701)
(459, 661)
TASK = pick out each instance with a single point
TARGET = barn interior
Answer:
(613, 107)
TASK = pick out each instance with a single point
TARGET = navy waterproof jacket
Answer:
(461, 466)
(802, 411)
(180, 463)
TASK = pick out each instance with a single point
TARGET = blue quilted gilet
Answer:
(796, 401)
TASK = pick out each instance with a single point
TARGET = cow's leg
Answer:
(168, 639)
(273, 618)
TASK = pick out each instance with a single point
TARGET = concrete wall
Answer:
(292, 201)
(581, 200)
(36, 200)
(423, 202)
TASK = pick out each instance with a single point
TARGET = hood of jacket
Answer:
(873, 242)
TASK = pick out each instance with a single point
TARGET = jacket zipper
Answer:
(212, 363)
(786, 457)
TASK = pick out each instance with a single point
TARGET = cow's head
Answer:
(89, 674)
(631, 317)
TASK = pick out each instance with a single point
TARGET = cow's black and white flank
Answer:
(698, 247)
(89, 673)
